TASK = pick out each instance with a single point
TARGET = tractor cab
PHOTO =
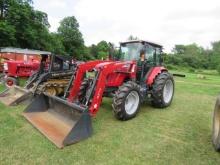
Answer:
(55, 63)
(133, 50)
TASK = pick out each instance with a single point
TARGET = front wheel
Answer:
(126, 101)
(10, 82)
(163, 90)
(216, 126)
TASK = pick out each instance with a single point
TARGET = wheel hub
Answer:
(10, 83)
(168, 91)
(132, 102)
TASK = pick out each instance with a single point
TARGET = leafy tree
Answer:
(71, 37)
(216, 46)
(173, 59)
(190, 56)
(188, 50)
(178, 49)
(56, 45)
(22, 26)
(86, 54)
(103, 50)
(218, 69)
(93, 50)
(215, 55)
(31, 26)
(7, 33)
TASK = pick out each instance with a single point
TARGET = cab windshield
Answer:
(130, 51)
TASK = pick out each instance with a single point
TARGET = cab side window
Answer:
(157, 56)
(150, 55)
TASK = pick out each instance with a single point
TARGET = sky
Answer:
(167, 22)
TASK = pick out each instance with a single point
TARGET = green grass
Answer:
(179, 134)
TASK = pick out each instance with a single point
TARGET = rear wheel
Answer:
(163, 90)
(126, 101)
(216, 126)
(10, 82)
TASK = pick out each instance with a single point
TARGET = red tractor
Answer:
(18, 69)
(128, 79)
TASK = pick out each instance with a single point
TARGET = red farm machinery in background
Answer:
(18, 63)
(14, 70)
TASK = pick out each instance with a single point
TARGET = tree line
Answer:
(195, 57)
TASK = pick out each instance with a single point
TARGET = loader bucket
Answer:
(63, 123)
(15, 95)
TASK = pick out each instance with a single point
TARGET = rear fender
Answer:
(153, 73)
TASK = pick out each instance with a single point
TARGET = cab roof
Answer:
(23, 51)
(143, 41)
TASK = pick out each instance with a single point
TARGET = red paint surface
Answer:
(112, 74)
(154, 72)
(17, 57)
(21, 69)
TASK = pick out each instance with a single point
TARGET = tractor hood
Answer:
(119, 66)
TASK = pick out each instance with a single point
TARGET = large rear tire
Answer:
(216, 126)
(126, 102)
(163, 90)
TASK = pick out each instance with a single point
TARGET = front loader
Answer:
(129, 80)
(52, 77)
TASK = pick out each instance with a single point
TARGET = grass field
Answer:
(179, 134)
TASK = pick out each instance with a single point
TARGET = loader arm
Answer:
(101, 81)
(81, 70)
